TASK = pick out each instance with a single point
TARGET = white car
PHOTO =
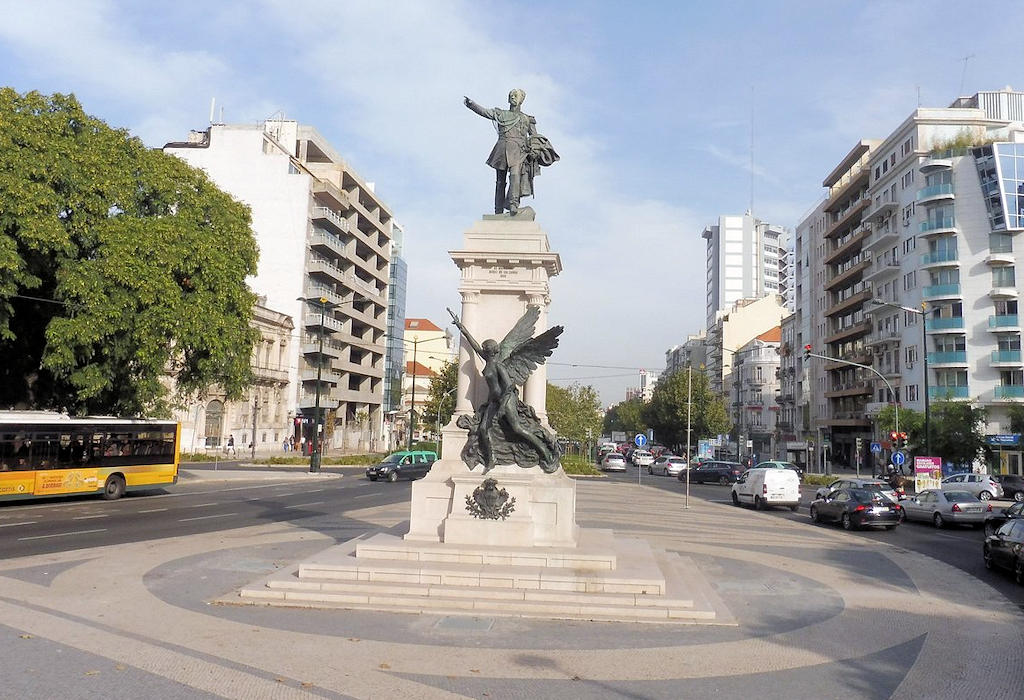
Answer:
(981, 485)
(642, 458)
(613, 462)
(767, 487)
(668, 465)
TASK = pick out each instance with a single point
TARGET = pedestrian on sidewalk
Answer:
(231, 446)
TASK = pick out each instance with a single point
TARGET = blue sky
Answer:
(650, 105)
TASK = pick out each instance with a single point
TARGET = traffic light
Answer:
(894, 438)
(807, 352)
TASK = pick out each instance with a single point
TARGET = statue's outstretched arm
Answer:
(482, 111)
(472, 341)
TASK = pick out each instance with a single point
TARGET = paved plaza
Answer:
(817, 613)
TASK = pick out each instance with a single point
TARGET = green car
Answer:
(407, 464)
(779, 464)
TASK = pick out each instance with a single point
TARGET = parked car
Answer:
(779, 464)
(715, 472)
(946, 508)
(1005, 549)
(642, 458)
(853, 483)
(981, 485)
(855, 508)
(613, 462)
(668, 465)
(993, 521)
(407, 464)
(762, 487)
(1013, 486)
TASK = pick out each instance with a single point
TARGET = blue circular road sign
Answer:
(640, 440)
(898, 458)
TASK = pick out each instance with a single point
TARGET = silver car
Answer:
(853, 483)
(941, 508)
(667, 465)
(613, 462)
(981, 485)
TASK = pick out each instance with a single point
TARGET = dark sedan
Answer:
(716, 472)
(1004, 549)
(855, 508)
(993, 521)
(1013, 486)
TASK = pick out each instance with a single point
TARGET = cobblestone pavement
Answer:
(820, 615)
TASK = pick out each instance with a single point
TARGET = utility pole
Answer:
(412, 404)
(255, 409)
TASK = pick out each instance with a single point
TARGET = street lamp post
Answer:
(412, 403)
(924, 356)
(315, 457)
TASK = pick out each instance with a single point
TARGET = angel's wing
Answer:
(520, 333)
(525, 358)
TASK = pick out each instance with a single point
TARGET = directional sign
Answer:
(640, 440)
(898, 458)
(876, 447)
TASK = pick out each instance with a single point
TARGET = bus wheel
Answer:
(114, 488)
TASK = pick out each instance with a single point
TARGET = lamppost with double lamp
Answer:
(314, 456)
(412, 404)
(438, 420)
(924, 355)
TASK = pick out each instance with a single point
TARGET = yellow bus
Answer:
(51, 454)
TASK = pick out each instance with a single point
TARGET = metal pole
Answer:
(255, 408)
(314, 458)
(924, 350)
(412, 404)
(689, 406)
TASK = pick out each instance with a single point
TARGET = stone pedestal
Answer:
(506, 265)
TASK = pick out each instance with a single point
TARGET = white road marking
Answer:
(364, 495)
(90, 517)
(206, 517)
(62, 534)
(303, 505)
(204, 505)
(152, 510)
(27, 522)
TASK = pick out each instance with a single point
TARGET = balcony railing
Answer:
(945, 324)
(952, 392)
(1003, 321)
(1009, 391)
(938, 224)
(934, 191)
(939, 256)
(946, 358)
(1007, 356)
(332, 216)
(941, 290)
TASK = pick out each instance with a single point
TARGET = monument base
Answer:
(604, 578)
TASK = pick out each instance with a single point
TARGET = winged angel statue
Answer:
(504, 429)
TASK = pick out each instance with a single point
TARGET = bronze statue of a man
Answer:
(518, 153)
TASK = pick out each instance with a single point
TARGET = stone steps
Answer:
(648, 585)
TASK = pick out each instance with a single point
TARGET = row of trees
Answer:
(956, 430)
(119, 266)
(674, 397)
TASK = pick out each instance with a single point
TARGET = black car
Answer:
(1005, 549)
(402, 465)
(993, 521)
(855, 508)
(1013, 486)
(717, 472)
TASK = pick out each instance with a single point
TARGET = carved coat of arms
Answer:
(488, 502)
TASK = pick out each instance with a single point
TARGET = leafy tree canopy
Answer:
(667, 411)
(957, 431)
(627, 416)
(119, 266)
(574, 412)
(442, 395)
(911, 423)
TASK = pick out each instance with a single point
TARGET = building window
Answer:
(1004, 276)
(910, 354)
(912, 392)
(214, 427)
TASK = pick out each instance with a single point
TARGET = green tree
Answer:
(574, 412)
(911, 423)
(627, 417)
(957, 431)
(442, 394)
(667, 411)
(1016, 414)
(119, 266)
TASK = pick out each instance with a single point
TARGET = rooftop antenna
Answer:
(963, 75)
(751, 150)
(918, 95)
(213, 102)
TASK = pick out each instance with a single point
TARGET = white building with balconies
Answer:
(324, 238)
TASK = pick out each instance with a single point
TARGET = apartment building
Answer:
(747, 319)
(746, 259)
(754, 385)
(692, 353)
(324, 238)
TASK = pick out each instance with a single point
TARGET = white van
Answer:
(767, 487)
